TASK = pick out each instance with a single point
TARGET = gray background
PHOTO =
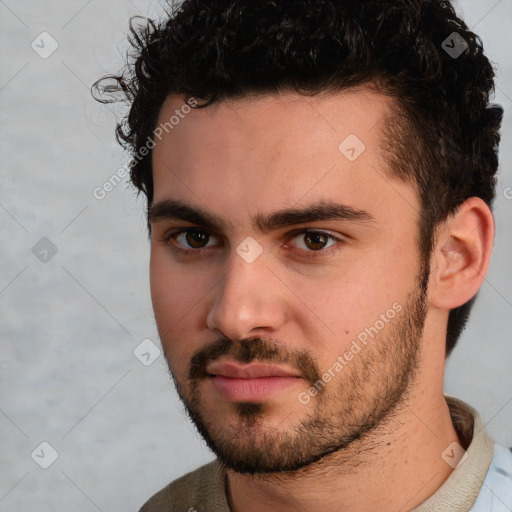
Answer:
(69, 326)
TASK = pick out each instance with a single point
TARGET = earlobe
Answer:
(462, 255)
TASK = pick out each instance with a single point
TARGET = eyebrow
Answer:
(168, 209)
(324, 210)
(176, 210)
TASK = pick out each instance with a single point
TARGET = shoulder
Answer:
(202, 489)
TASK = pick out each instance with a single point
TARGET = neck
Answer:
(395, 467)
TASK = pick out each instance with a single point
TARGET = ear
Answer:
(461, 255)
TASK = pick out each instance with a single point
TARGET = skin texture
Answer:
(372, 438)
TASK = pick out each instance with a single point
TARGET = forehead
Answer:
(275, 151)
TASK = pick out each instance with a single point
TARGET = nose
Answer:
(249, 301)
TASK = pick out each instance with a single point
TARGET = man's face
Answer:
(285, 274)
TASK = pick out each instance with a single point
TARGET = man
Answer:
(319, 177)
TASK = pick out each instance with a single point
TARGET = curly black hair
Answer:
(443, 135)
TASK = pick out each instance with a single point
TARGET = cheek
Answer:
(352, 297)
(174, 288)
(178, 298)
(165, 283)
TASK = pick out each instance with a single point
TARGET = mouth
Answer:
(250, 383)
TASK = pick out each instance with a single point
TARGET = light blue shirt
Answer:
(496, 492)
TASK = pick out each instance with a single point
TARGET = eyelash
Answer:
(330, 250)
(170, 237)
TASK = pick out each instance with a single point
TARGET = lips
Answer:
(251, 371)
(255, 382)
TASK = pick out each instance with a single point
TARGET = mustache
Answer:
(254, 349)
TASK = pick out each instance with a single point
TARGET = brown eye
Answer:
(310, 241)
(316, 241)
(197, 239)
